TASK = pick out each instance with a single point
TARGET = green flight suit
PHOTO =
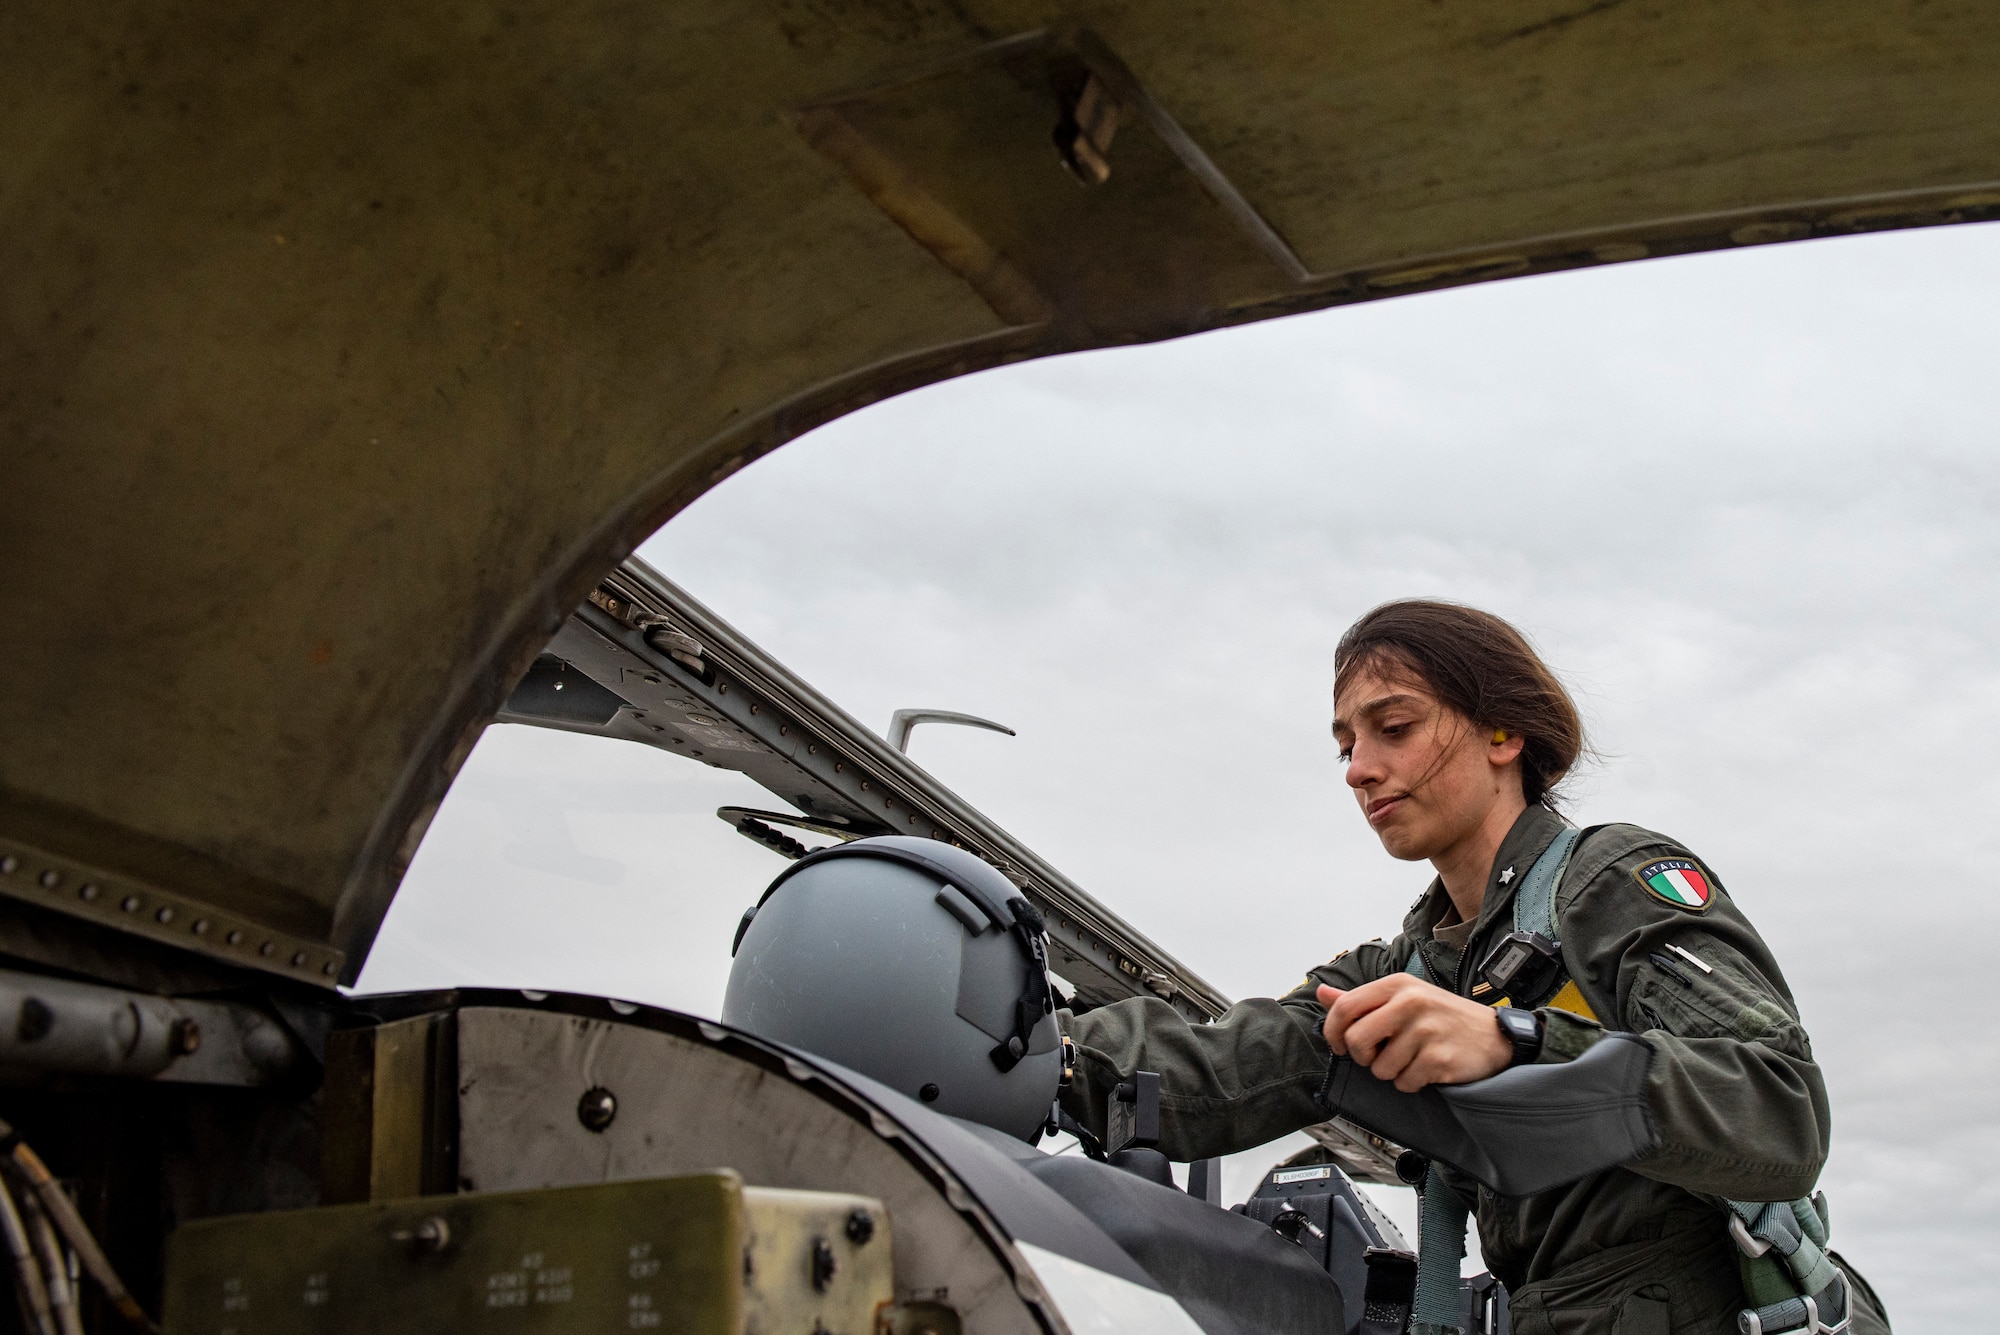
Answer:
(1739, 1105)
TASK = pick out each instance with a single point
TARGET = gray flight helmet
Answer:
(911, 961)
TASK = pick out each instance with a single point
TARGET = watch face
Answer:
(1518, 1023)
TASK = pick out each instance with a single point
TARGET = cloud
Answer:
(1745, 501)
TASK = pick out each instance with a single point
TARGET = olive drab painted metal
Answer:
(704, 1255)
(345, 349)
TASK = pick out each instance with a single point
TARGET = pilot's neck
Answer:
(1466, 867)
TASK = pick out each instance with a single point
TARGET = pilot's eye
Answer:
(1346, 754)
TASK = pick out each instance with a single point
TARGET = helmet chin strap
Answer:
(1035, 1002)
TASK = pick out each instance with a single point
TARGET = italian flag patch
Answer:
(1679, 881)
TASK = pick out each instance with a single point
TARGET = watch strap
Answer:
(1523, 1030)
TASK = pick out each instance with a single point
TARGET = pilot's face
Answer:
(1417, 767)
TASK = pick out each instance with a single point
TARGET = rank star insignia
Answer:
(1506, 876)
(1679, 881)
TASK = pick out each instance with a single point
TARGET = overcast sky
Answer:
(1745, 503)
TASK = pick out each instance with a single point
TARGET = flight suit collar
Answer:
(1532, 833)
(1534, 830)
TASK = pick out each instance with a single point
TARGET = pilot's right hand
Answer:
(1413, 1033)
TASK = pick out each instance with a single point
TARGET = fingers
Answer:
(1413, 1034)
(1349, 1006)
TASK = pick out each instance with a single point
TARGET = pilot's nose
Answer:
(1364, 769)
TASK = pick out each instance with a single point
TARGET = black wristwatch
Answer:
(1524, 1030)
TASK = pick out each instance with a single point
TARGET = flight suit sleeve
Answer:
(1735, 1096)
(1238, 1082)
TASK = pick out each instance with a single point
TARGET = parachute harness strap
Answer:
(1785, 1242)
(1440, 1248)
(1441, 1223)
(1535, 901)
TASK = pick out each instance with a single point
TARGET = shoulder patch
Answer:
(1682, 882)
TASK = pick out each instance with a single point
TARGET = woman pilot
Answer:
(1454, 735)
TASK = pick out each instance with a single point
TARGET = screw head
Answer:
(596, 1108)
(929, 1093)
(860, 1226)
(430, 1235)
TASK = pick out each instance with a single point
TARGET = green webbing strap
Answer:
(1784, 1246)
(1535, 901)
(1438, 1308)
(1440, 1238)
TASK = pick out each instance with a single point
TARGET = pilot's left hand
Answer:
(1414, 1033)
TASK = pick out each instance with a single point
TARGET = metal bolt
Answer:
(199, 927)
(130, 904)
(823, 1264)
(235, 937)
(185, 1038)
(327, 968)
(929, 1093)
(268, 948)
(165, 915)
(596, 1108)
(51, 879)
(298, 958)
(90, 891)
(8, 864)
(860, 1227)
(430, 1235)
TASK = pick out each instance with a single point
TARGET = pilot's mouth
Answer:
(1382, 807)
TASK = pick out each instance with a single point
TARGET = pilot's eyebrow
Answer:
(1376, 706)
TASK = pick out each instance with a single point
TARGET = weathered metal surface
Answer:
(391, 1110)
(701, 1254)
(815, 1260)
(52, 1025)
(344, 349)
(250, 940)
(685, 1104)
(710, 694)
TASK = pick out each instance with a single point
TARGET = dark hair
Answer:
(1478, 665)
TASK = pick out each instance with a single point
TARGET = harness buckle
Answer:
(1751, 1321)
(1749, 1246)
